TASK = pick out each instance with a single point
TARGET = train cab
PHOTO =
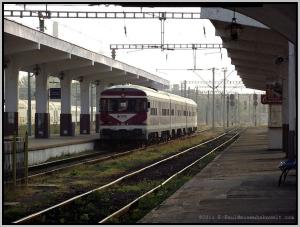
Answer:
(123, 113)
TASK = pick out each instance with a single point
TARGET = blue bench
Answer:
(285, 166)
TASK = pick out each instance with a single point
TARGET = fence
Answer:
(16, 159)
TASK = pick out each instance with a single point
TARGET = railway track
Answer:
(53, 166)
(111, 203)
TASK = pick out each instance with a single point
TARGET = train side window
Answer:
(153, 111)
(172, 112)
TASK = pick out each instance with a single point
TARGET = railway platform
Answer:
(238, 186)
(58, 141)
(41, 150)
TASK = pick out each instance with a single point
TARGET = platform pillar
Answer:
(66, 115)
(285, 116)
(292, 102)
(274, 127)
(84, 107)
(11, 93)
(99, 89)
(42, 118)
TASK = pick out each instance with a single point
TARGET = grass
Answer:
(98, 204)
(82, 178)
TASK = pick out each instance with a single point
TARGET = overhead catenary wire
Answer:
(202, 79)
(226, 77)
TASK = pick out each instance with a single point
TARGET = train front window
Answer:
(129, 105)
(123, 106)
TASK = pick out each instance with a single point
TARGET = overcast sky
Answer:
(98, 34)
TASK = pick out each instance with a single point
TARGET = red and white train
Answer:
(141, 113)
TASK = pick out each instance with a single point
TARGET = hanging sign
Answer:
(273, 93)
(55, 93)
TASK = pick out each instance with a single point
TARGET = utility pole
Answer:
(235, 111)
(255, 115)
(213, 99)
(197, 104)
(76, 103)
(227, 111)
(41, 22)
(162, 19)
(255, 105)
(91, 90)
(249, 109)
(238, 108)
(207, 107)
(181, 88)
(29, 105)
(259, 112)
(197, 95)
(185, 88)
(224, 87)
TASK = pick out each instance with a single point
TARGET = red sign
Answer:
(273, 93)
(274, 100)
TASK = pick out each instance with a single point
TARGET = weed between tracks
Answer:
(99, 204)
(153, 200)
(51, 189)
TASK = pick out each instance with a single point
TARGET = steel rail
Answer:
(89, 161)
(126, 208)
(115, 181)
